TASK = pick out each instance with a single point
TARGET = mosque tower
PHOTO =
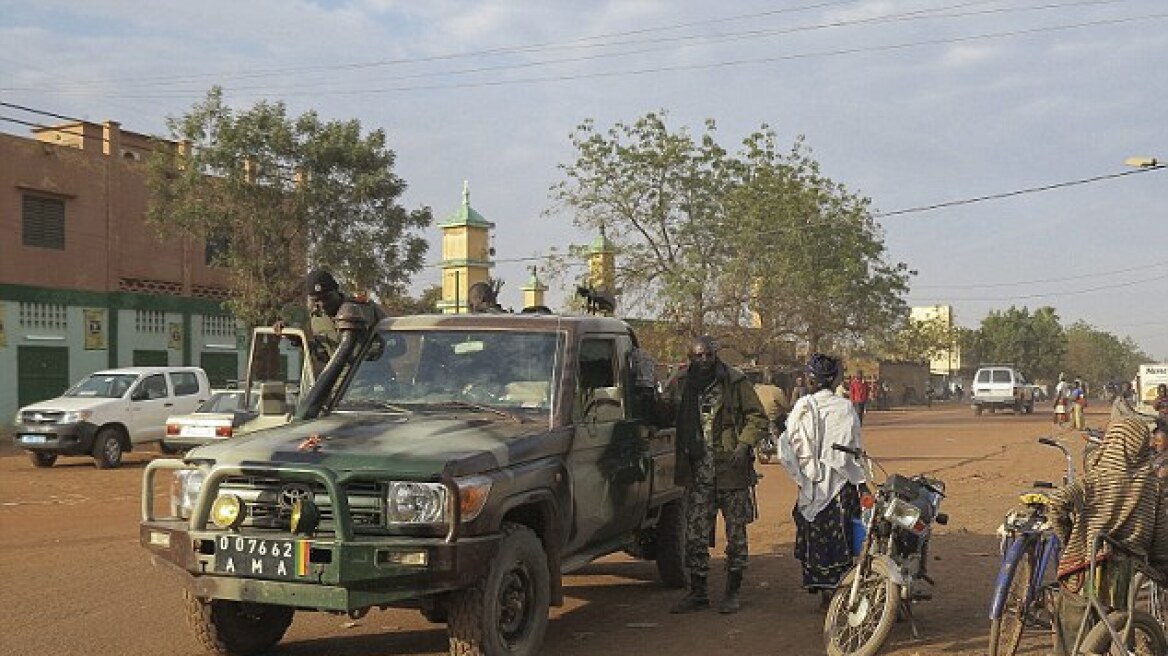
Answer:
(466, 254)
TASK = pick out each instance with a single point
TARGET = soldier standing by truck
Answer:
(719, 418)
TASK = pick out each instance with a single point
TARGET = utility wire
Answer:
(300, 91)
(1008, 194)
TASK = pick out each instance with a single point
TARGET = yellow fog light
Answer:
(305, 517)
(227, 511)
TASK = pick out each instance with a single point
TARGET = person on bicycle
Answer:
(827, 479)
(1119, 496)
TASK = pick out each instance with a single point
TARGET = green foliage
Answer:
(809, 258)
(283, 195)
(706, 238)
(918, 341)
(1035, 343)
(1098, 357)
(659, 195)
(404, 304)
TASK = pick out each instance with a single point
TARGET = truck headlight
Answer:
(415, 503)
(184, 491)
(75, 416)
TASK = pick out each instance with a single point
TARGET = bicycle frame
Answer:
(1046, 548)
(1094, 607)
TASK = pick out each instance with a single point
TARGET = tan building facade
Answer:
(85, 284)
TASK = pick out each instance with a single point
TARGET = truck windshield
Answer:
(512, 370)
(103, 386)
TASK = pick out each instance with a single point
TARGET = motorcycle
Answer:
(890, 571)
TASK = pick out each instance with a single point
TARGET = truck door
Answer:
(150, 404)
(609, 461)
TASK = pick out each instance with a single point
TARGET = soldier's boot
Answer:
(730, 603)
(696, 599)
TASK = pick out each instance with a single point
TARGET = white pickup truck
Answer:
(108, 413)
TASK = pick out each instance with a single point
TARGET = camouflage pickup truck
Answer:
(454, 464)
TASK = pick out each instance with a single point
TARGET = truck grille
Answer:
(40, 417)
(269, 502)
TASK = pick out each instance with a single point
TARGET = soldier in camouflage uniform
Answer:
(719, 419)
(325, 300)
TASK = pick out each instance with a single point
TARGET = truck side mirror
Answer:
(644, 368)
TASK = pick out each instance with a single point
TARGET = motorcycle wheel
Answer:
(863, 630)
(1006, 631)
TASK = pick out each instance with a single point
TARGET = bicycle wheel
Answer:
(1006, 631)
(1147, 636)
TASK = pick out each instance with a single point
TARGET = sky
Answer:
(991, 136)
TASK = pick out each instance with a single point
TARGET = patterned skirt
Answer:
(824, 545)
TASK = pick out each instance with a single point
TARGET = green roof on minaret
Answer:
(601, 244)
(466, 215)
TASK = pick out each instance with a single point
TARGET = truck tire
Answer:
(505, 612)
(107, 448)
(42, 458)
(236, 628)
(977, 410)
(669, 540)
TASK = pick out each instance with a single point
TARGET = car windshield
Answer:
(508, 370)
(224, 402)
(103, 386)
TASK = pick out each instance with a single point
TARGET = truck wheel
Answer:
(42, 459)
(506, 611)
(670, 542)
(977, 410)
(236, 628)
(107, 449)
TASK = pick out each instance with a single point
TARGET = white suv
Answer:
(1001, 387)
(108, 413)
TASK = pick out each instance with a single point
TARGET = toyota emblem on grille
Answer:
(293, 492)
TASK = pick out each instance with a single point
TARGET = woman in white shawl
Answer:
(827, 479)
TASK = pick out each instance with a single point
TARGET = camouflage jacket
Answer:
(739, 418)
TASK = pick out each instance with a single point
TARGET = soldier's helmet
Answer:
(319, 282)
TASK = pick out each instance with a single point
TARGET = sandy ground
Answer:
(73, 579)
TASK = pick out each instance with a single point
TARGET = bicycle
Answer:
(1022, 597)
(1120, 632)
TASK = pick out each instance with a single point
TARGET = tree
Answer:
(810, 259)
(660, 197)
(1098, 357)
(1036, 343)
(425, 303)
(759, 245)
(279, 195)
(918, 341)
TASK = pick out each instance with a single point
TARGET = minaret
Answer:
(466, 254)
(602, 264)
(533, 290)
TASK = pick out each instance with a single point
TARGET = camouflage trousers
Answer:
(702, 504)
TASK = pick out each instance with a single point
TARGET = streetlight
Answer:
(1144, 162)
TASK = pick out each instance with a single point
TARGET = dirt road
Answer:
(73, 580)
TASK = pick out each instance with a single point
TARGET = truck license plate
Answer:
(244, 556)
(32, 439)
